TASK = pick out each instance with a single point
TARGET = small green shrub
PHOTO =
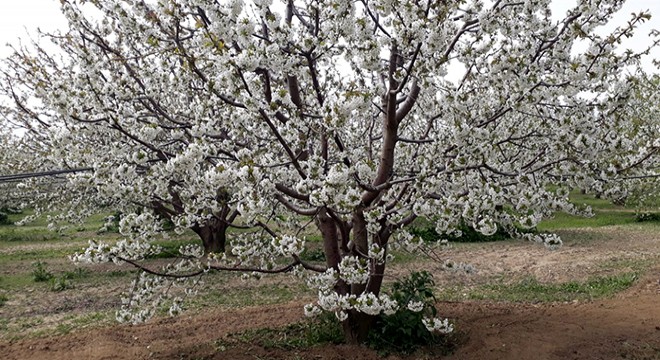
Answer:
(647, 216)
(313, 255)
(40, 273)
(112, 223)
(60, 283)
(77, 273)
(403, 331)
(4, 219)
(3, 299)
(168, 225)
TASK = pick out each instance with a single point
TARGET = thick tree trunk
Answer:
(213, 235)
(356, 327)
(330, 235)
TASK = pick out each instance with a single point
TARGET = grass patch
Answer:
(647, 217)
(531, 290)
(601, 218)
(605, 214)
(14, 282)
(629, 264)
(74, 322)
(426, 230)
(325, 329)
(252, 294)
(594, 202)
(312, 254)
(16, 234)
(118, 273)
(3, 299)
(37, 255)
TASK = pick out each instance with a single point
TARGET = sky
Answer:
(18, 18)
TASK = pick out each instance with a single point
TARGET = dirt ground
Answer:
(626, 326)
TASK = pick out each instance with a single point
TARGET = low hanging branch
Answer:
(10, 178)
(283, 269)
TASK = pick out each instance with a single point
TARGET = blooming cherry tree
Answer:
(282, 114)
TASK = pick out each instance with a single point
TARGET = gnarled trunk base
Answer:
(213, 236)
(356, 327)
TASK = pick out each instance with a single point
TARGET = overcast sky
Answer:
(18, 17)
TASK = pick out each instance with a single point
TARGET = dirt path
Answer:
(626, 327)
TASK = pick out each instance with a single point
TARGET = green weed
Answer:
(40, 273)
(77, 273)
(74, 322)
(60, 283)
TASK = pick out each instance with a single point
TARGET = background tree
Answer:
(642, 112)
(336, 113)
(119, 158)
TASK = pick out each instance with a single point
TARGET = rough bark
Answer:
(356, 327)
(213, 236)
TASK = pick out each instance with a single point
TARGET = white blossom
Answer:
(438, 325)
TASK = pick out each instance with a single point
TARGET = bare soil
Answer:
(625, 326)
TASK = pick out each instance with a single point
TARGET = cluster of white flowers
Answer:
(192, 251)
(144, 298)
(287, 245)
(311, 310)
(377, 253)
(354, 270)
(254, 249)
(438, 325)
(404, 239)
(551, 241)
(367, 303)
(324, 281)
(486, 226)
(415, 306)
(96, 252)
(458, 267)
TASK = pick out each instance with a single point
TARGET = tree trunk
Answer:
(213, 235)
(356, 327)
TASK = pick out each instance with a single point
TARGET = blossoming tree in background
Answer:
(332, 113)
(20, 158)
(642, 115)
